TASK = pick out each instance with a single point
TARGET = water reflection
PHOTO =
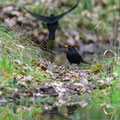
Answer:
(54, 114)
(75, 112)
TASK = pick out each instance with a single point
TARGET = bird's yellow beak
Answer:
(66, 46)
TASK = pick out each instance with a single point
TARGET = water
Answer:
(75, 113)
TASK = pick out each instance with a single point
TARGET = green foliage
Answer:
(14, 47)
(96, 68)
(88, 5)
(107, 95)
(32, 113)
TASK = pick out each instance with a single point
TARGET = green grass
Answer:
(109, 94)
(13, 48)
(31, 113)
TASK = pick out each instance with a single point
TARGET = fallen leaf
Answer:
(37, 63)
(43, 68)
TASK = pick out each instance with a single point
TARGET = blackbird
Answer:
(73, 56)
(52, 20)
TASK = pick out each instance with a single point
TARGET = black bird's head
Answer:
(70, 47)
(52, 15)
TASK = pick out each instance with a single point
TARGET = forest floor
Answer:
(28, 80)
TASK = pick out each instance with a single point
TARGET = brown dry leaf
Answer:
(66, 114)
(37, 63)
(43, 68)
(1, 18)
(108, 51)
(103, 86)
(38, 116)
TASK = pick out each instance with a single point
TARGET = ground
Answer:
(32, 82)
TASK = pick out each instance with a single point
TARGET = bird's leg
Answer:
(78, 65)
(79, 72)
(68, 67)
(79, 69)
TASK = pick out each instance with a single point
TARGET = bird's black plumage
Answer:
(73, 56)
(52, 20)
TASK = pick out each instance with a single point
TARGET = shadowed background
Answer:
(92, 27)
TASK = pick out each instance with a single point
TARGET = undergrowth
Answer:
(15, 54)
(107, 92)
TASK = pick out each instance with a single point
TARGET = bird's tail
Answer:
(51, 36)
(84, 62)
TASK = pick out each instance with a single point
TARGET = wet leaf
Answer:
(43, 68)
